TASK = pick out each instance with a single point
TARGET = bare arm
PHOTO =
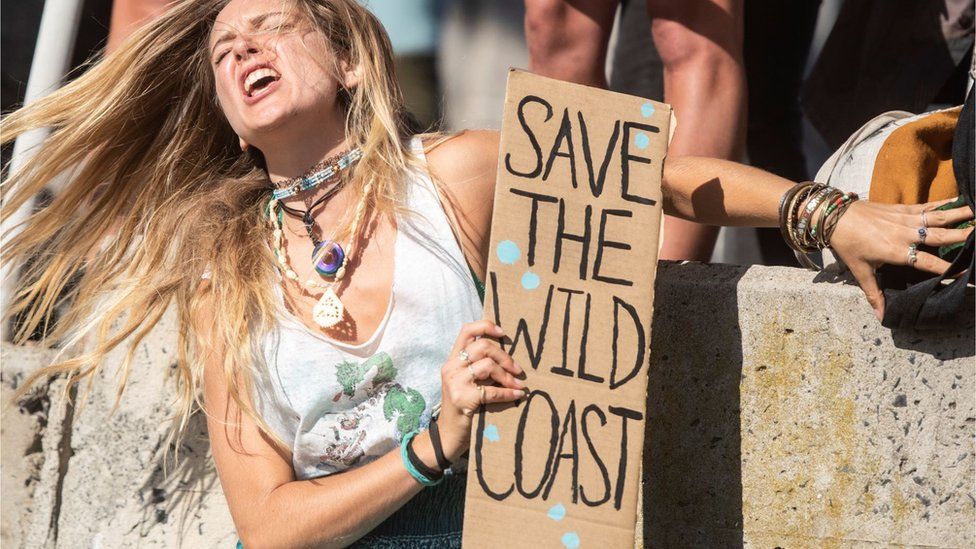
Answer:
(720, 192)
(271, 508)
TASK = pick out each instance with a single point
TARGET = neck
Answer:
(294, 156)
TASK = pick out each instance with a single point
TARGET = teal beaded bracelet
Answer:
(417, 475)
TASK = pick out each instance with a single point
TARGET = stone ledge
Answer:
(780, 414)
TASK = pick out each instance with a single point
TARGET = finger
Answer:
(943, 218)
(936, 236)
(480, 370)
(866, 279)
(491, 349)
(499, 394)
(928, 206)
(487, 368)
(473, 330)
(930, 263)
(504, 360)
(505, 379)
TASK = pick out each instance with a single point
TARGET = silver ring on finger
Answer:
(912, 254)
(464, 357)
(925, 222)
(481, 391)
(923, 233)
(474, 378)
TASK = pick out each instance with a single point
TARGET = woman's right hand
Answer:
(477, 372)
(871, 234)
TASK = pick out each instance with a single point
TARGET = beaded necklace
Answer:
(324, 171)
(328, 257)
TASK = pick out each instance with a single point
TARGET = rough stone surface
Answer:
(21, 430)
(104, 482)
(781, 414)
(120, 454)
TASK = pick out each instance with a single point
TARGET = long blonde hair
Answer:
(153, 168)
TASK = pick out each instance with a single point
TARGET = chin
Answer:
(267, 121)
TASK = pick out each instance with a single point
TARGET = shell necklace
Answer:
(328, 257)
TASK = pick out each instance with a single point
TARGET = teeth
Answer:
(258, 75)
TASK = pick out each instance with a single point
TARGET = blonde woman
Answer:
(209, 157)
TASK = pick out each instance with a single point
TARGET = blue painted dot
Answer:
(647, 109)
(557, 512)
(642, 141)
(491, 433)
(508, 252)
(530, 280)
(571, 540)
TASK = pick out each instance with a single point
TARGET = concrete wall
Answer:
(780, 415)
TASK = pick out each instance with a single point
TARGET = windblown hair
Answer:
(157, 193)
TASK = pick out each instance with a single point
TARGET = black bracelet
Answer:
(435, 441)
(420, 465)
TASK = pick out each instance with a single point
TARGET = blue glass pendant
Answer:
(331, 260)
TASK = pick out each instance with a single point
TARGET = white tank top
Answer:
(341, 406)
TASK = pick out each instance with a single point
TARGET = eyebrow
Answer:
(253, 22)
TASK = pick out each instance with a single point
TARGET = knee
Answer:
(681, 48)
(551, 26)
(545, 21)
(696, 34)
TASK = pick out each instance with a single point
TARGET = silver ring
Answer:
(471, 372)
(481, 389)
(925, 222)
(912, 254)
(923, 233)
(463, 355)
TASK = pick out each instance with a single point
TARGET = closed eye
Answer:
(220, 57)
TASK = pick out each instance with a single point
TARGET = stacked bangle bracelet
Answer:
(808, 215)
(415, 466)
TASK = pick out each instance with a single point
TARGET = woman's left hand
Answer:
(871, 234)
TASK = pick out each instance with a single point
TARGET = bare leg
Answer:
(700, 42)
(568, 38)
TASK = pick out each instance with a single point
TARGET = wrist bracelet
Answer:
(420, 465)
(411, 467)
(794, 239)
(809, 213)
(435, 441)
(785, 204)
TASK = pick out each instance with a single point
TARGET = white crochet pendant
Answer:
(328, 311)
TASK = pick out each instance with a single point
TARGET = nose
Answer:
(244, 47)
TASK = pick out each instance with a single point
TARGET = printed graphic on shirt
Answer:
(378, 369)
(380, 404)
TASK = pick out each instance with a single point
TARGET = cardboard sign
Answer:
(574, 244)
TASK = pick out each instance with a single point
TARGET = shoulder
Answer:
(465, 163)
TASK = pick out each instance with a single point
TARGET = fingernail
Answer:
(518, 382)
(519, 368)
(498, 330)
(519, 394)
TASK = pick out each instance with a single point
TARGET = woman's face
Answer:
(276, 76)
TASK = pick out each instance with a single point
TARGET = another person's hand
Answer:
(871, 234)
(477, 372)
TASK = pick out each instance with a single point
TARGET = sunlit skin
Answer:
(298, 121)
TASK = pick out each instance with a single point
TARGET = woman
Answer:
(184, 154)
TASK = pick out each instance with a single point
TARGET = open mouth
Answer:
(260, 81)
